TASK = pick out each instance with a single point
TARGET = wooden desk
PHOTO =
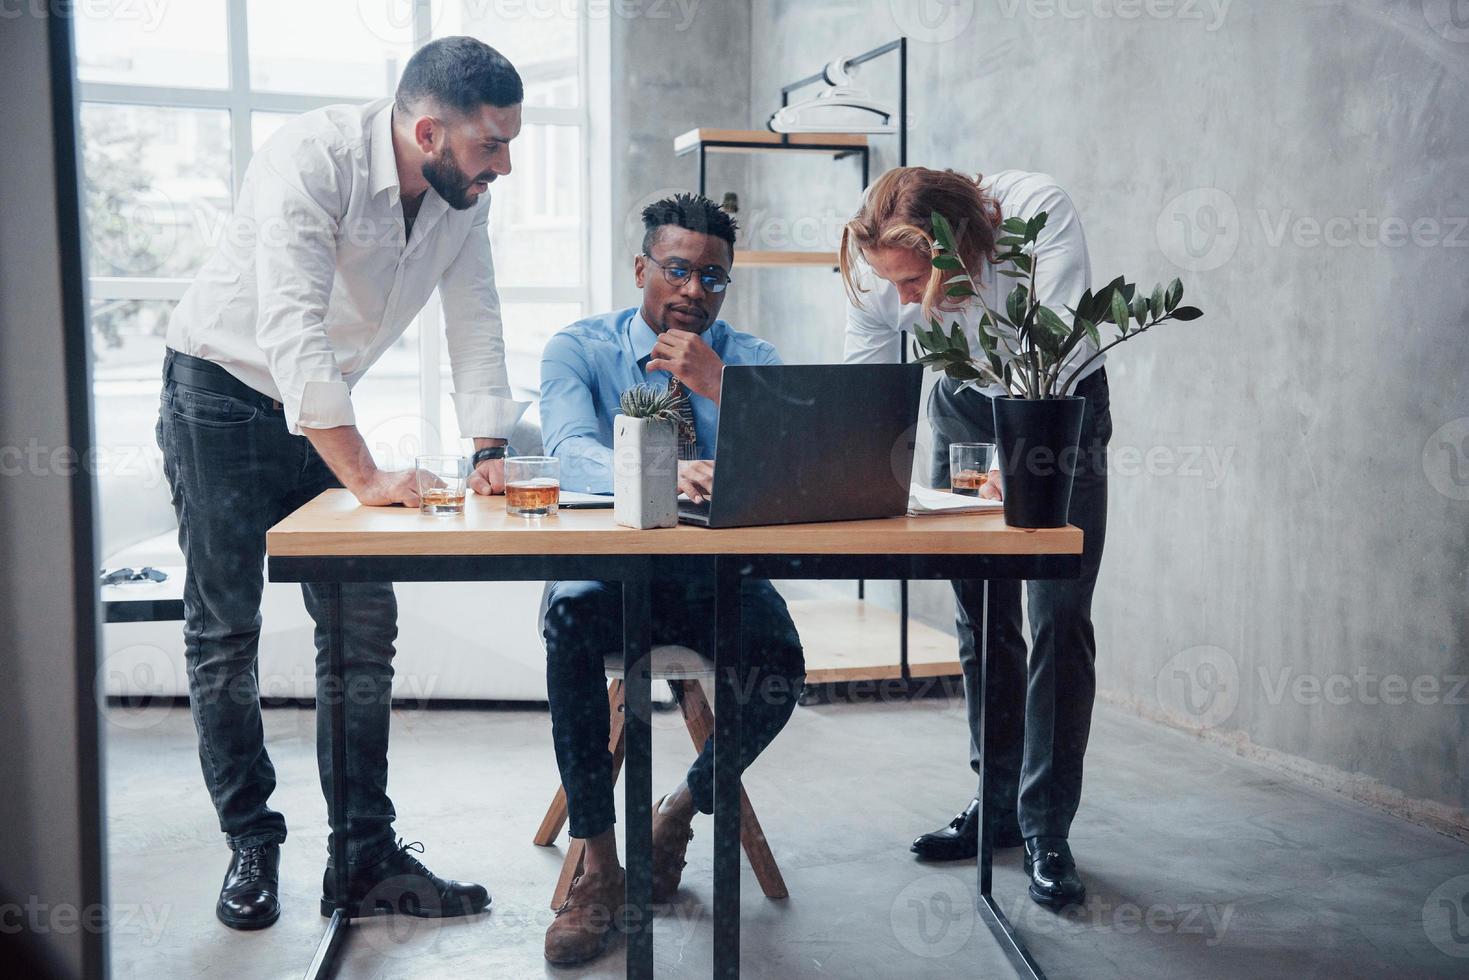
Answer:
(333, 539)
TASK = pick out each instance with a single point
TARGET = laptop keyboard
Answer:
(692, 512)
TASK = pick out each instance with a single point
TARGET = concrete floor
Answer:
(1199, 865)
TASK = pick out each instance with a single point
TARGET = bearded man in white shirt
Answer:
(348, 218)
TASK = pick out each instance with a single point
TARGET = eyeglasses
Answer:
(711, 277)
(145, 574)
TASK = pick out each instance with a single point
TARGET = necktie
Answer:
(687, 446)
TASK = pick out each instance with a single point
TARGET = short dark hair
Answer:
(460, 74)
(692, 211)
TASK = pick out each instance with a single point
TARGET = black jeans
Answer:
(234, 471)
(1042, 711)
(583, 623)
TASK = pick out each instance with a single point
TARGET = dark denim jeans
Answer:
(235, 471)
(583, 623)
(1042, 710)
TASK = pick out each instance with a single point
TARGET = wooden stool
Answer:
(683, 669)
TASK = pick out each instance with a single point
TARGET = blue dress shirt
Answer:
(584, 371)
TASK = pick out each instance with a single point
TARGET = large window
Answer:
(175, 102)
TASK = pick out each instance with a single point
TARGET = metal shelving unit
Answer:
(703, 142)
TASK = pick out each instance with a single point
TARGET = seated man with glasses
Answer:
(673, 337)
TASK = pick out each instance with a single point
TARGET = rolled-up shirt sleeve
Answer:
(476, 338)
(569, 418)
(295, 263)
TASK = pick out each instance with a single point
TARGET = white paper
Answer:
(923, 502)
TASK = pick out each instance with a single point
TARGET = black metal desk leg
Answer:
(638, 778)
(989, 909)
(323, 963)
(729, 681)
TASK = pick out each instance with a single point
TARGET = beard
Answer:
(450, 182)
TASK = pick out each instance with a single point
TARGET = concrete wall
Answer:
(675, 67)
(1289, 523)
(50, 825)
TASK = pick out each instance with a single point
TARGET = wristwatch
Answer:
(491, 452)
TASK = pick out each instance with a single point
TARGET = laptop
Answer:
(803, 443)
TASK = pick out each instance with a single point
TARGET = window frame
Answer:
(241, 101)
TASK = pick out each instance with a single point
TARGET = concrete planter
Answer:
(644, 473)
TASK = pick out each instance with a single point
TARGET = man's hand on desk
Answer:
(991, 488)
(696, 478)
(488, 477)
(689, 359)
(383, 488)
(345, 453)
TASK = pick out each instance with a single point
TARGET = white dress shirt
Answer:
(312, 281)
(1062, 275)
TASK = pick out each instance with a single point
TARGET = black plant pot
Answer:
(1037, 440)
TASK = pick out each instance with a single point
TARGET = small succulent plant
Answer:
(654, 404)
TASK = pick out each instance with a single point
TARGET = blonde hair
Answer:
(897, 213)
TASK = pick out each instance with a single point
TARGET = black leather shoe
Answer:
(959, 841)
(250, 895)
(1054, 881)
(399, 884)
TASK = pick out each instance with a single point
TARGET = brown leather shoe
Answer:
(584, 922)
(671, 838)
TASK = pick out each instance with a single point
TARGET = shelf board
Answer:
(856, 640)
(763, 141)
(810, 260)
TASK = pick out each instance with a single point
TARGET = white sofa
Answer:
(471, 640)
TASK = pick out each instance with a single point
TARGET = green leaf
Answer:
(1034, 225)
(1010, 241)
(1013, 274)
(1091, 333)
(986, 342)
(963, 371)
(1022, 262)
(1083, 305)
(959, 289)
(1015, 304)
(1174, 294)
(943, 232)
(1120, 313)
(944, 260)
(1015, 226)
(1053, 323)
(1129, 289)
(957, 340)
(1187, 313)
(1140, 310)
(1155, 302)
(926, 340)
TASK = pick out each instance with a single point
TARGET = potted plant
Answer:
(645, 458)
(1038, 425)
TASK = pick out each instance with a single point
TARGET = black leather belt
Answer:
(208, 376)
